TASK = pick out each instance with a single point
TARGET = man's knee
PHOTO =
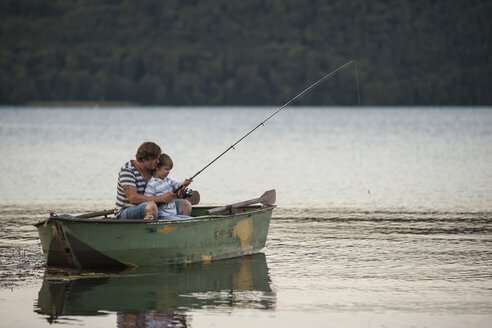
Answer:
(151, 210)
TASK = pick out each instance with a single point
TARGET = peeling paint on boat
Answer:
(244, 230)
(167, 229)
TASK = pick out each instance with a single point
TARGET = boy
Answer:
(161, 184)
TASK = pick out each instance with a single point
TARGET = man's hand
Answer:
(166, 197)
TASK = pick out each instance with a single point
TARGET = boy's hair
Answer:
(165, 160)
(148, 150)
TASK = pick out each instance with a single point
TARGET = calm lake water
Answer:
(384, 216)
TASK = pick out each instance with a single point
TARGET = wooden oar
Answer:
(268, 198)
(95, 214)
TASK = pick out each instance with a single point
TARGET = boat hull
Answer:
(97, 243)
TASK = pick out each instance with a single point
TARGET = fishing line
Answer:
(357, 150)
(311, 87)
(357, 80)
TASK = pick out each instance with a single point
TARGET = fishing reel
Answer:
(184, 193)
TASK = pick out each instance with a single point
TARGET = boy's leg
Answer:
(183, 207)
(183, 210)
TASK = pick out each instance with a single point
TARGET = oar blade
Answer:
(269, 197)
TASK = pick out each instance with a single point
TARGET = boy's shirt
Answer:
(157, 187)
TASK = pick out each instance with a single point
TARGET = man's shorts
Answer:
(135, 212)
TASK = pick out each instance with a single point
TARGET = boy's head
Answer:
(165, 161)
(163, 167)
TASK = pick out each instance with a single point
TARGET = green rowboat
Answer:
(99, 241)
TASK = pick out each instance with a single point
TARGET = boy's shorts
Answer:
(168, 216)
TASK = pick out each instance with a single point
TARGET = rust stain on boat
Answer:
(244, 231)
(217, 232)
(206, 258)
(168, 228)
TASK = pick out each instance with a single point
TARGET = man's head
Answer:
(148, 151)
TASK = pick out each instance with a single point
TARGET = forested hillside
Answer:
(251, 52)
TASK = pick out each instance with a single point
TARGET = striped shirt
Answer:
(129, 176)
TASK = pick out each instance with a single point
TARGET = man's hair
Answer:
(148, 150)
(165, 160)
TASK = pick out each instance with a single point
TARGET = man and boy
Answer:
(161, 200)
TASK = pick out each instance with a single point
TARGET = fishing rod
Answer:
(311, 87)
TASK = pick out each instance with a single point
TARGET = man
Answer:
(131, 204)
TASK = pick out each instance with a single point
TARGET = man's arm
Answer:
(135, 198)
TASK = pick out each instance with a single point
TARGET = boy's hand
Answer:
(187, 182)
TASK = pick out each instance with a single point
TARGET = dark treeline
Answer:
(253, 52)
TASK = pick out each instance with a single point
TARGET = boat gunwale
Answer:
(201, 218)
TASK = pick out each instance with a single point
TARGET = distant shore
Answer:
(94, 104)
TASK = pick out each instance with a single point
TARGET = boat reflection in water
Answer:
(160, 295)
